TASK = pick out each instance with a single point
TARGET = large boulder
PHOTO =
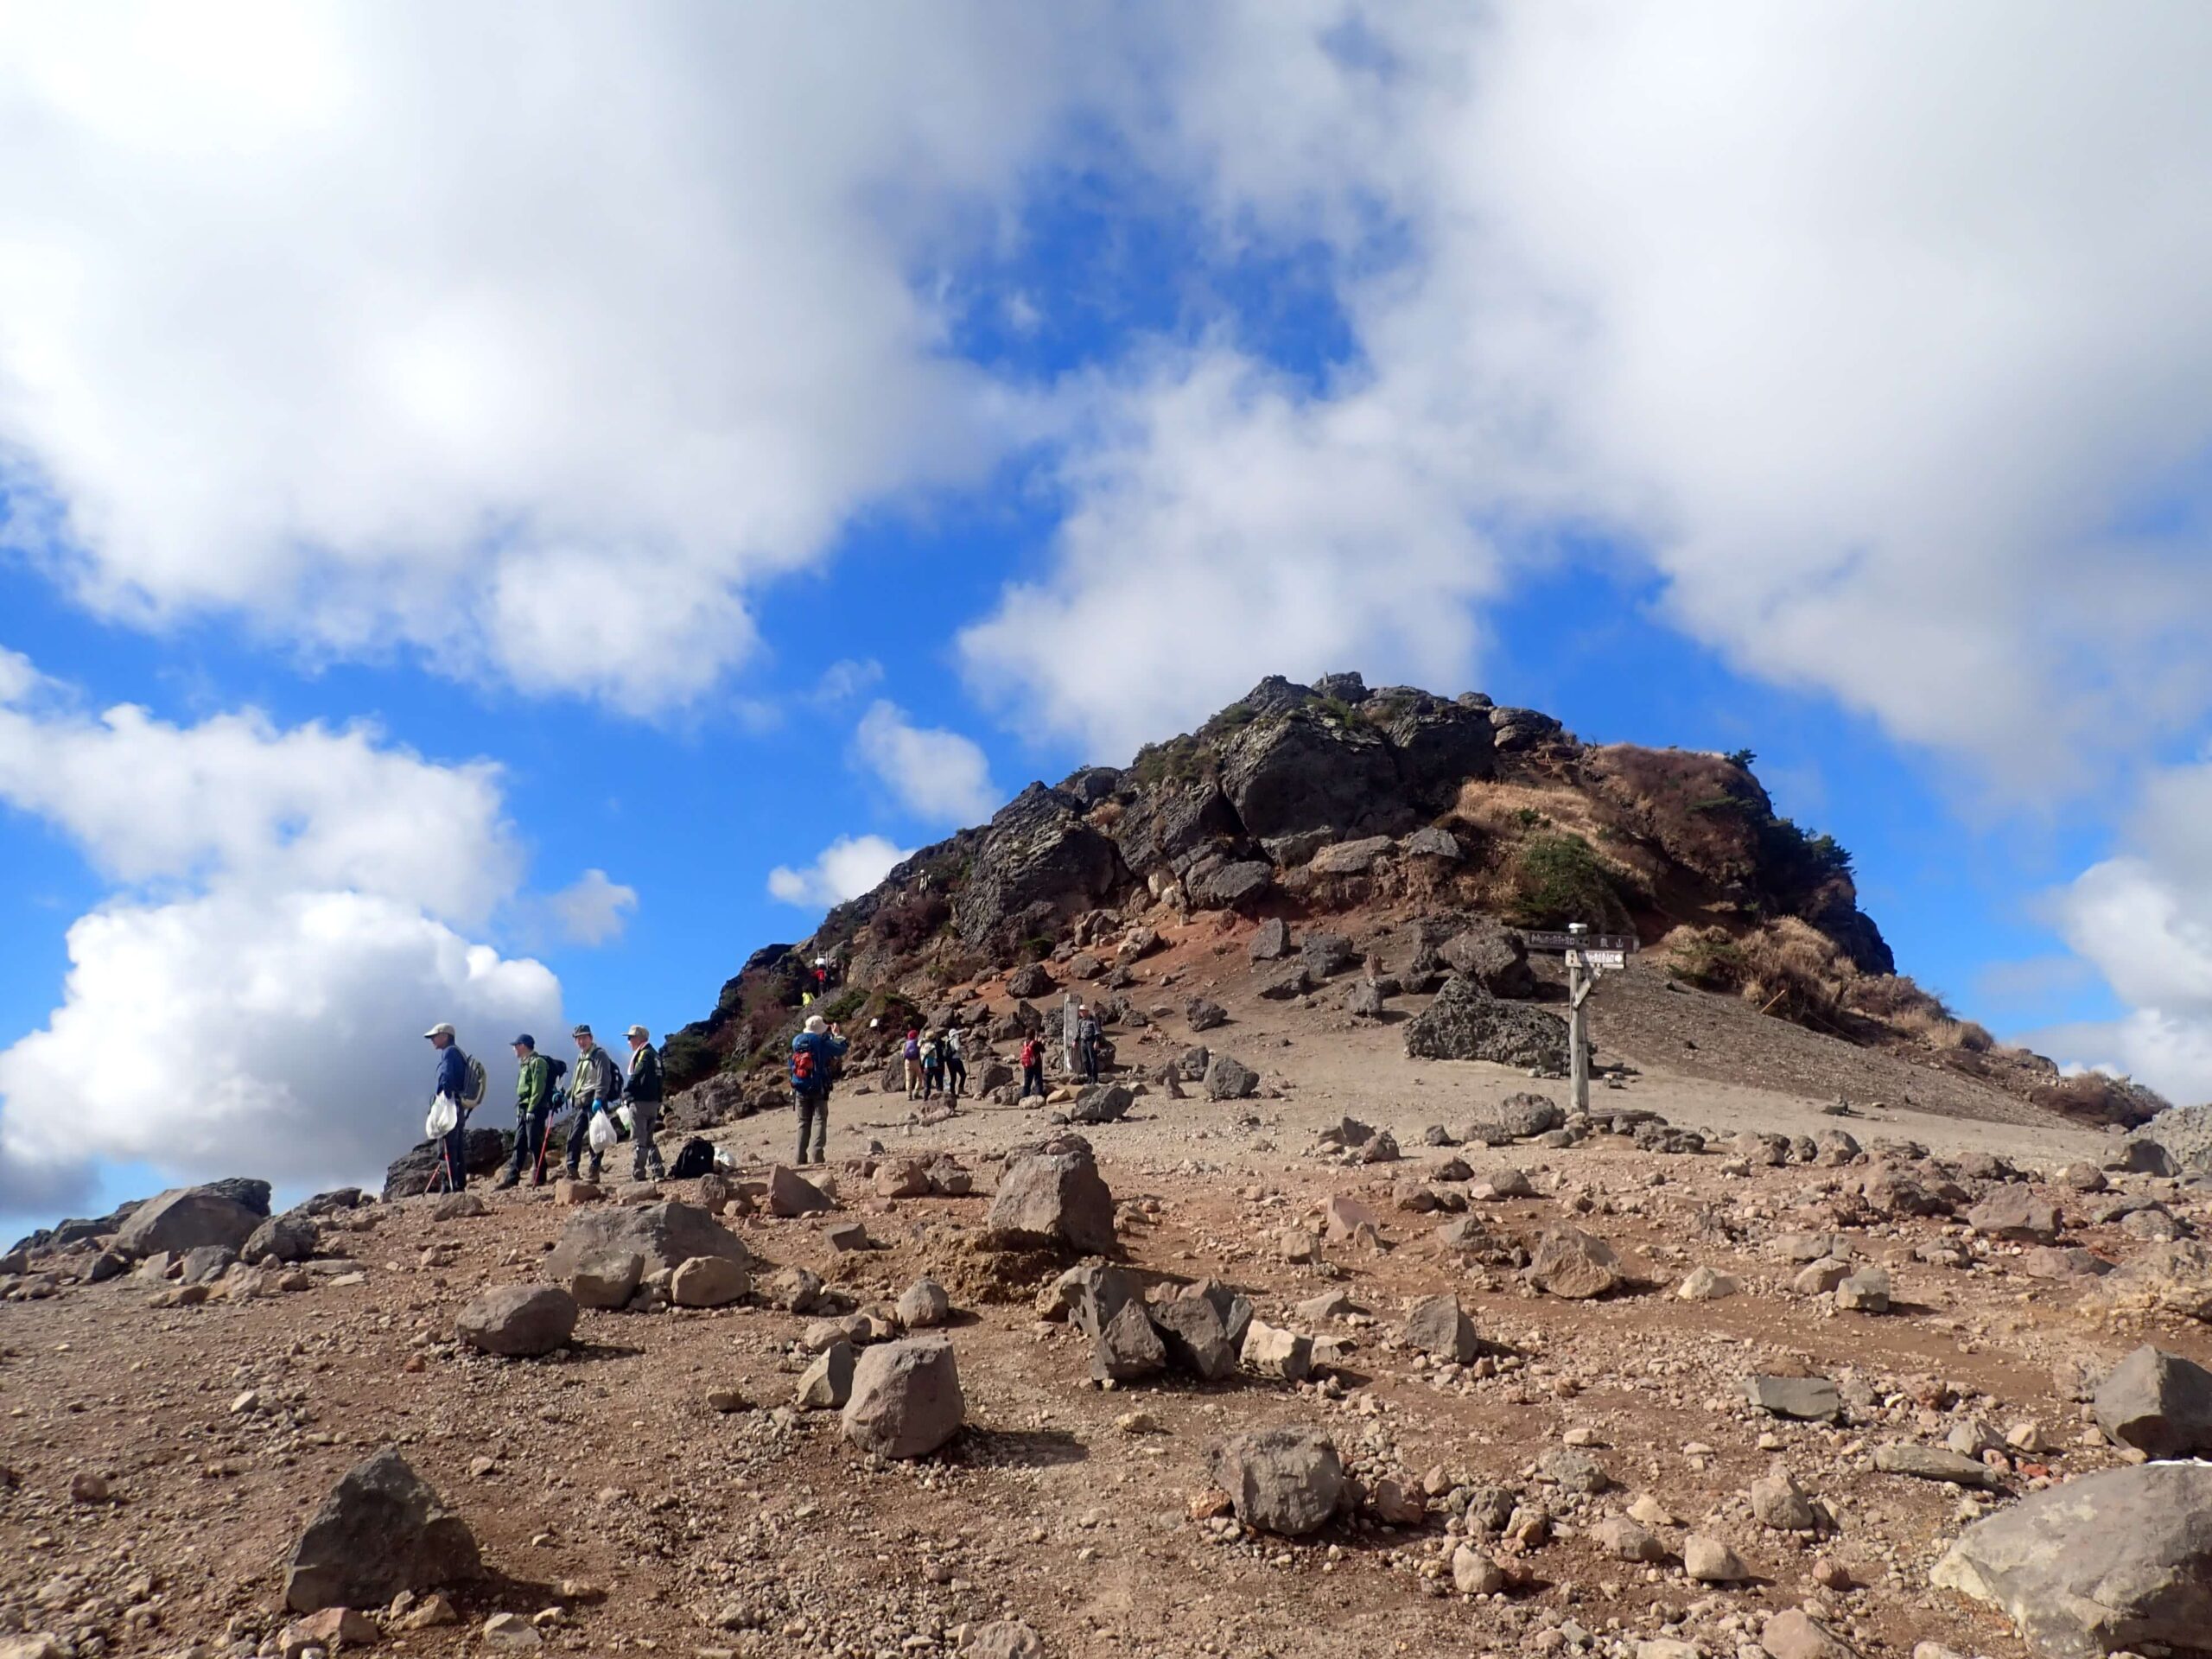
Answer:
(1574, 1264)
(791, 1194)
(1295, 769)
(1054, 1197)
(1281, 1480)
(2159, 1403)
(2111, 1561)
(518, 1321)
(1169, 821)
(1517, 1117)
(381, 1530)
(1226, 886)
(1104, 1102)
(662, 1234)
(1439, 1327)
(1270, 940)
(1466, 1022)
(1230, 1078)
(417, 1169)
(289, 1237)
(1196, 1339)
(1039, 857)
(187, 1219)
(1439, 745)
(906, 1399)
(2014, 1212)
(1494, 957)
(2177, 1141)
(1127, 1347)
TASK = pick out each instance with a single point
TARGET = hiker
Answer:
(932, 1066)
(594, 1083)
(815, 1053)
(533, 1103)
(956, 1067)
(1087, 1036)
(453, 1080)
(1032, 1067)
(912, 1051)
(641, 1093)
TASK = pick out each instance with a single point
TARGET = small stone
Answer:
(924, 1304)
(1625, 1541)
(828, 1382)
(509, 1633)
(1475, 1573)
(1707, 1560)
(1706, 1285)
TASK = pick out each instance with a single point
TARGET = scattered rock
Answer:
(1796, 1635)
(1127, 1347)
(1203, 1013)
(1269, 1351)
(1807, 1398)
(1230, 1078)
(381, 1530)
(1270, 940)
(1281, 1480)
(906, 1399)
(1576, 1265)
(708, 1281)
(518, 1321)
(187, 1219)
(1705, 1284)
(1780, 1503)
(791, 1194)
(1933, 1463)
(607, 1278)
(1439, 1327)
(827, 1384)
(1196, 1340)
(660, 1234)
(1625, 1541)
(1707, 1560)
(2015, 1212)
(1466, 1022)
(1054, 1197)
(924, 1305)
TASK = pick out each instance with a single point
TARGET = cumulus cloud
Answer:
(530, 351)
(2140, 918)
(846, 868)
(289, 921)
(934, 773)
(592, 910)
(270, 1036)
(1883, 349)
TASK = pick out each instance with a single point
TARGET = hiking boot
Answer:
(506, 1181)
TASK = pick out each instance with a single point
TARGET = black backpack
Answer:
(696, 1158)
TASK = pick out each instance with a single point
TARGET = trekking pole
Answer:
(544, 1139)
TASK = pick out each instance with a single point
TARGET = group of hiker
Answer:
(935, 1064)
(606, 1102)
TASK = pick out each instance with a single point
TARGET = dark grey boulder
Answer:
(1103, 1102)
(1466, 1022)
(1127, 1347)
(423, 1167)
(1806, 1399)
(1031, 979)
(1295, 769)
(1196, 1341)
(1230, 1078)
(1494, 957)
(1227, 886)
(1519, 1116)
(1039, 857)
(381, 1530)
(1270, 940)
(1281, 1480)
(1324, 954)
(186, 1219)
(1204, 1014)
(1439, 1327)
(289, 1237)
(2111, 1561)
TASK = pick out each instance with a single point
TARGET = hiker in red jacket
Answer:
(1032, 1068)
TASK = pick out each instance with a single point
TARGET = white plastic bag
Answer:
(602, 1135)
(444, 1118)
(629, 1123)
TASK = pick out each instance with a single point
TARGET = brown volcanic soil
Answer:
(762, 1532)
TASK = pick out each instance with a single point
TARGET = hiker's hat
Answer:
(815, 1023)
(523, 1041)
(637, 1031)
(580, 1031)
(443, 1029)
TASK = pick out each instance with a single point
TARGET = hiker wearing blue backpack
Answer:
(462, 1081)
(815, 1053)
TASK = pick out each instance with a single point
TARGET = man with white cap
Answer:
(453, 1081)
(815, 1053)
(593, 1083)
(641, 1092)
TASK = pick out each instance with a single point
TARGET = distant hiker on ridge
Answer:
(956, 1067)
(912, 1051)
(1032, 1066)
(932, 1066)
(641, 1093)
(815, 1053)
(596, 1082)
(1087, 1038)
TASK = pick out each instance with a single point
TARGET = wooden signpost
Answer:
(1588, 956)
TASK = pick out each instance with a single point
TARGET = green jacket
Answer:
(534, 1084)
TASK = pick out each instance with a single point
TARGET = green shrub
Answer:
(1558, 879)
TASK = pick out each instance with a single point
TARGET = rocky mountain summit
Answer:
(1344, 810)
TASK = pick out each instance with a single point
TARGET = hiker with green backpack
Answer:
(462, 1081)
(535, 1086)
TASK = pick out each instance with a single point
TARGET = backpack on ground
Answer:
(473, 1092)
(696, 1158)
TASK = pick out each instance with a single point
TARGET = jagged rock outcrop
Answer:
(1039, 863)
(1466, 1022)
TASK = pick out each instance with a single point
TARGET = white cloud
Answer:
(846, 868)
(236, 799)
(592, 910)
(934, 773)
(1886, 349)
(2140, 918)
(383, 325)
(253, 1001)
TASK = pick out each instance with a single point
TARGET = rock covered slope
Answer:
(1336, 806)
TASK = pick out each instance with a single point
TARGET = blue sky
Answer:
(525, 537)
